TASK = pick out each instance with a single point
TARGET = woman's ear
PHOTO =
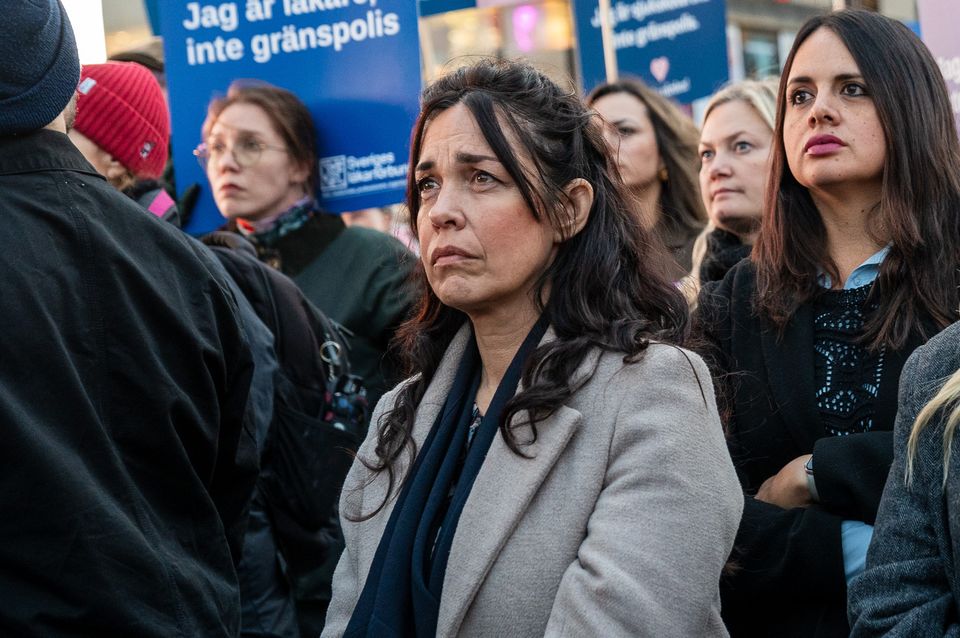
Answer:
(578, 203)
(299, 173)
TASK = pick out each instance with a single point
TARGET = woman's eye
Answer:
(483, 178)
(425, 185)
(249, 146)
(705, 155)
(216, 147)
(854, 89)
(626, 131)
(742, 146)
(799, 97)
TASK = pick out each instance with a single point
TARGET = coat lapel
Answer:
(791, 374)
(502, 492)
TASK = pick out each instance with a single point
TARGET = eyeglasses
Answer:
(245, 152)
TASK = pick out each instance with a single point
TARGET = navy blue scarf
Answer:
(401, 596)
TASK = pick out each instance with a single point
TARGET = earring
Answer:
(663, 174)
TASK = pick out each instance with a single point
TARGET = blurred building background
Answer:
(759, 32)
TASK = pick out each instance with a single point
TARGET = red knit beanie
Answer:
(121, 108)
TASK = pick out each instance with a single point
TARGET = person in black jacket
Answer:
(128, 454)
(121, 112)
(854, 267)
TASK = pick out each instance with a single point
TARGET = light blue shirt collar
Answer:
(863, 274)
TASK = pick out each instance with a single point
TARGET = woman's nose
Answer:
(720, 166)
(226, 161)
(447, 208)
(823, 109)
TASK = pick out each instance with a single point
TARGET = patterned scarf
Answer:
(289, 221)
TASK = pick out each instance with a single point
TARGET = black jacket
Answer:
(358, 277)
(788, 577)
(127, 457)
(724, 251)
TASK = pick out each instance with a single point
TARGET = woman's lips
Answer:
(720, 192)
(449, 255)
(823, 149)
(823, 145)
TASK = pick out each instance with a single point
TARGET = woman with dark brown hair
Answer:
(855, 266)
(656, 149)
(555, 465)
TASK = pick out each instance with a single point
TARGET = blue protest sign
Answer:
(678, 47)
(354, 63)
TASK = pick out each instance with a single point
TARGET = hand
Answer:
(788, 487)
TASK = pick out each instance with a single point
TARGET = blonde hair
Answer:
(947, 397)
(762, 96)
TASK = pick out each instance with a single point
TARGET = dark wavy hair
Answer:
(606, 286)
(678, 140)
(919, 207)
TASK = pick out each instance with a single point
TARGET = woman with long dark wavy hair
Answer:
(855, 266)
(655, 144)
(555, 464)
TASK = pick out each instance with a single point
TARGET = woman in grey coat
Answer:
(556, 465)
(910, 586)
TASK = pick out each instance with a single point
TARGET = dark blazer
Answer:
(910, 586)
(789, 579)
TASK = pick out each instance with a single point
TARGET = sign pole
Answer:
(609, 48)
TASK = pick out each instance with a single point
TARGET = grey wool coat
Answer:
(619, 524)
(910, 586)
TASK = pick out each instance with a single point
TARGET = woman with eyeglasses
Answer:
(854, 267)
(259, 153)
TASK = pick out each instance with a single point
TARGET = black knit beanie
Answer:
(39, 65)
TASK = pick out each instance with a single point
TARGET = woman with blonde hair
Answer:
(655, 145)
(911, 583)
(735, 142)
